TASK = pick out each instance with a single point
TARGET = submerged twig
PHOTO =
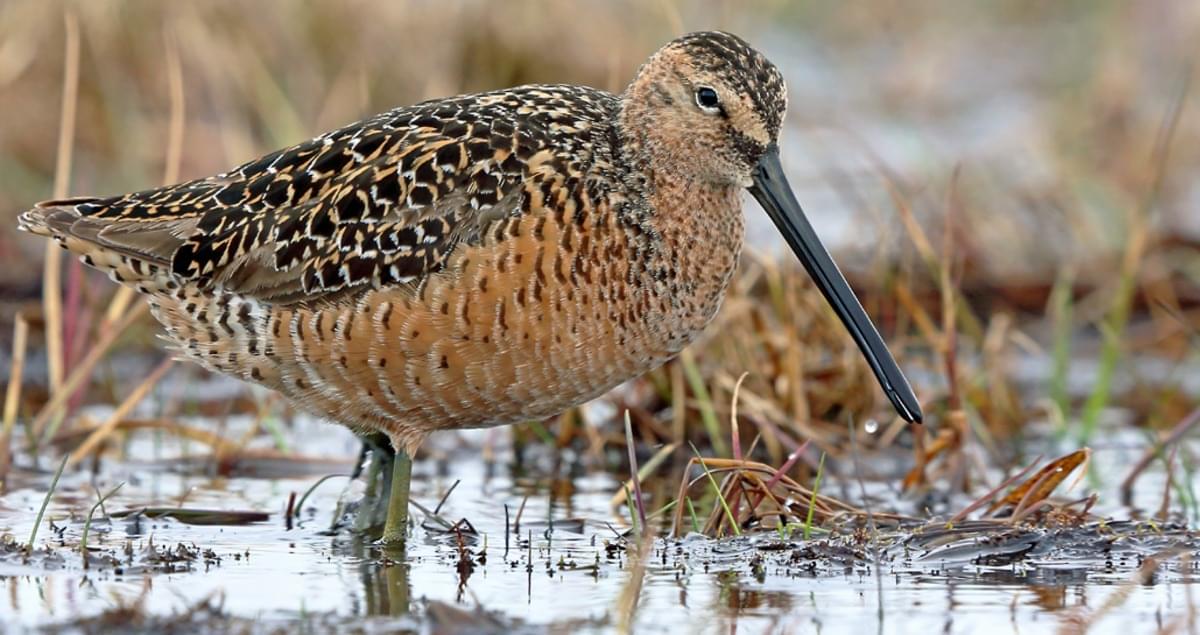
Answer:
(198, 516)
(627, 600)
(438, 508)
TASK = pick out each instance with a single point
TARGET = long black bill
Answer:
(775, 195)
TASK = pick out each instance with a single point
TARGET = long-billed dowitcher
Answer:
(476, 260)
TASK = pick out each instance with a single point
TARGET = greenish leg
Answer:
(397, 514)
(366, 517)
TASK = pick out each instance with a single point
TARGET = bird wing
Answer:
(380, 202)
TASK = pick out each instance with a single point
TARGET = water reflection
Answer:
(384, 575)
(561, 564)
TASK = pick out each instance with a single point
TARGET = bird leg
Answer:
(375, 461)
(375, 445)
(396, 526)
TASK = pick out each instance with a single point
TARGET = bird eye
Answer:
(707, 99)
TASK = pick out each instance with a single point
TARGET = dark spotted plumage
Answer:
(756, 77)
(380, 202)
(462, 262)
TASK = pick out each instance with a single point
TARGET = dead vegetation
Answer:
(771, 425)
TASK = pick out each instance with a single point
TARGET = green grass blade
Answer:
(1061, 311)
(717, 488)
(46, 502)
(692, 512)
(87, 524)
(812, 500)
(708, 414)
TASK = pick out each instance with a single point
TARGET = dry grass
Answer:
(1076, 192)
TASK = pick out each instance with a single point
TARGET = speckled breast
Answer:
(547, 310)
(541, 316)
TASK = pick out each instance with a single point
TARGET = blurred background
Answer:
(1014, 181)
(1060, 137)
(1011, 187)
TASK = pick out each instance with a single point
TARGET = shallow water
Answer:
(263, 576)
(567, 570)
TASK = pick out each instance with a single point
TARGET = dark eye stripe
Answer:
(748, 148)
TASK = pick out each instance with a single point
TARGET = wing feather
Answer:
(380, 202)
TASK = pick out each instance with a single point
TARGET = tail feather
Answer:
(136, 253)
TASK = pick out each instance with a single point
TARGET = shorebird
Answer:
(477, 260)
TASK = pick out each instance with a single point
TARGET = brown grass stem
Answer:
(126, 406)
(733, 418)
(12, 396)
(633, 473)
(52, 267)
(81, 372)
(987, 498)
(717, 490)
(644, 472)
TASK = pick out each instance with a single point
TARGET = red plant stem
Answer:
(779, 474)
(788, 464)
(76, 348)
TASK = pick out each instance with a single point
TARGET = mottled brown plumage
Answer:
(477, 260)
(463, 262)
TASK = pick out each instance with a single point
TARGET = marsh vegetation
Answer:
(1010, 188)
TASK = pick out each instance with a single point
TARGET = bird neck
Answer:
(680, 203)
(696, 226)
